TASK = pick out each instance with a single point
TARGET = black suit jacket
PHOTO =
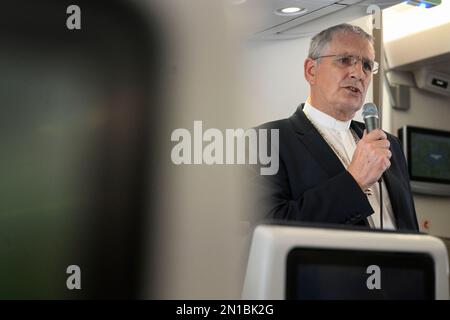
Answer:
(312, 185)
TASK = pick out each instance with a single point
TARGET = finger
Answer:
(387, 164)
(376, 134)
(384, 144)
(383, 163)
(384, 153)
(389, 154)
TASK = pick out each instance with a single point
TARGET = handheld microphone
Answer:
(370, 116)
(372, 121)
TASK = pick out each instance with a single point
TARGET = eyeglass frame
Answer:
(376, 65)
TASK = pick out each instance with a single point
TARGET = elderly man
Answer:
(329, 165)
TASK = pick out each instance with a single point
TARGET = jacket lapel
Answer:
(392, 184)
(318, 147)
(315, 144)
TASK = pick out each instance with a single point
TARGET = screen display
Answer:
(317, 274)
(439, 83)
(430, 156)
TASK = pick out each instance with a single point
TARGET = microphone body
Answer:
(370, 116)
(372, 121)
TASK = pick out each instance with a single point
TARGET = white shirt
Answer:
(338, 134)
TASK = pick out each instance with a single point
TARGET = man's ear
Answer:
(310, 66)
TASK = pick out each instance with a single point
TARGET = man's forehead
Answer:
(353, 44)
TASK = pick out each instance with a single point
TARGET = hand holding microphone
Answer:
(372, 155)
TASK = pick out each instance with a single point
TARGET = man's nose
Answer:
(357, 71)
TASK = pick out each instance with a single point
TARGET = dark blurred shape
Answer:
(320, 274)
(77, 122)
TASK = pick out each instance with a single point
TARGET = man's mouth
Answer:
(353, 89)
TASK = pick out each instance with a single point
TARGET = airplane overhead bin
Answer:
(432, 48)
(414, 48)
(263, 19)
(433, 81)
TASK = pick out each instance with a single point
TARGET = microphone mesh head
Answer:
(369, 109)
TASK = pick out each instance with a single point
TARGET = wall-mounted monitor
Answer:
(428, 155)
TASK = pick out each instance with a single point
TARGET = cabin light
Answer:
(424, 3)
(290, 11)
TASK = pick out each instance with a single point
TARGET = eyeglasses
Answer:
(368, 65)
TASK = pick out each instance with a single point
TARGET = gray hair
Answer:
(322, 39)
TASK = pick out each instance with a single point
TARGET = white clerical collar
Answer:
(324, 120)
